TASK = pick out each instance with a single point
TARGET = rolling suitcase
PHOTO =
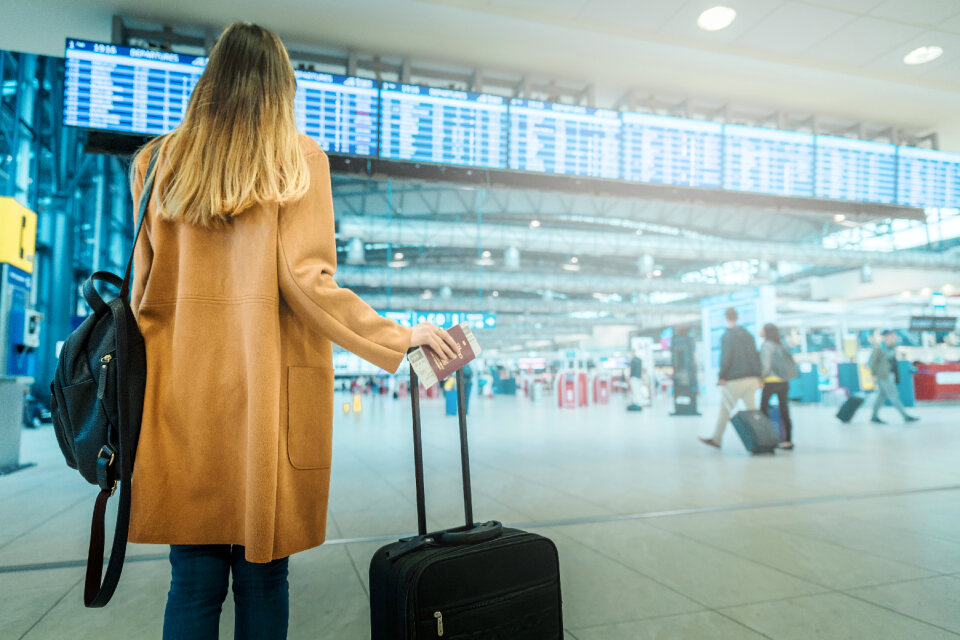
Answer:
(480, 581)
(849, 408)
(755, 430)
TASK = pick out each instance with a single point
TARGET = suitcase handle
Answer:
(474, 535)
(418, 453)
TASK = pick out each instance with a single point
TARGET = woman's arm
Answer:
(306, 263)
(766, 360)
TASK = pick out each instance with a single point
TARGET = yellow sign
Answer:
(18, 234)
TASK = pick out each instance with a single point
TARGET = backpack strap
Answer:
(98, 588)
(145, 194)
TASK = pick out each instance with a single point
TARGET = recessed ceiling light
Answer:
(398, 256)
(534, 224)
(574, 260)
(922, 55)
(716, 18)
(486, 254)
(496, 294)
(839, 217)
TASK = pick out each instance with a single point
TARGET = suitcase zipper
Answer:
(102, 384)
(489, 602)
(419, 569)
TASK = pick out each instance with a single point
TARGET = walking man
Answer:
(739, 374)
(883, 366)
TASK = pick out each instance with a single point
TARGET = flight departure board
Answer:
(768, 161)
(927, 178)
(126, 89)
(669, 150)
(447, 126)
(856, 170)
(339, 112)
(561, 138)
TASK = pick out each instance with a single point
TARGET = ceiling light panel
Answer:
(716, 18)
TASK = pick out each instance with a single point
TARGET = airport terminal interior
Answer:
(603, 195)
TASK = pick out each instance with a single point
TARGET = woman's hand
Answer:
(438, 340)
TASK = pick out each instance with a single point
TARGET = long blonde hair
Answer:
(238, 143)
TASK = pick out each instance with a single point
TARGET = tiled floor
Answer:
(855, 534)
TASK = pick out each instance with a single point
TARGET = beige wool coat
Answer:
(235, 444)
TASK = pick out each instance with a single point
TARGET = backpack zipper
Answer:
(102, 384)
(439, 617)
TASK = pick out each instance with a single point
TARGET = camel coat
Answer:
(235, 445)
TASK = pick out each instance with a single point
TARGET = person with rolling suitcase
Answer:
(234, 296)
(480, 580)
(739, 374)
(778, 369)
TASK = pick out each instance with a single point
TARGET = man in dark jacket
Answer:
(739, 373)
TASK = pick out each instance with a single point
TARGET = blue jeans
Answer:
(198, 586)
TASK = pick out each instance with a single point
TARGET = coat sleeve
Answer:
(766, 360)
(875, 357)
(143, 253)
(306, 263)
(726, 355)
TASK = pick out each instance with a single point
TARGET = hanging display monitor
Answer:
(768, 161)
(928, 178)
(676, 151)
(143, 91)
(429, 124)
(339, 112)
(549, 137)
(856, 170)
(127, 89)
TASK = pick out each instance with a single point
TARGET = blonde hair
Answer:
(238, 143)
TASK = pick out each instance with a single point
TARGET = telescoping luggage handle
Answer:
(472, 532)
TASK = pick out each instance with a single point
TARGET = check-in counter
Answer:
(937, 381)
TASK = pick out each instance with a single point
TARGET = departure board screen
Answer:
(561, 138)
(928, 178)
(856, 170)
(430, 124)
(126, 89)
(768, 161)
(339, 112)
(669, 150)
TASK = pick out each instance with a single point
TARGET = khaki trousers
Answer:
(740, 389)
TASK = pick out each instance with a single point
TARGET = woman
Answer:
(777, 369)
(235, 298)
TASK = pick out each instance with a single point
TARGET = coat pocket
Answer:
(309, 417)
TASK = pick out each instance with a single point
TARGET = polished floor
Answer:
(855, 534)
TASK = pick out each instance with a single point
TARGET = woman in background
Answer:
(777, 370)
(235, 297)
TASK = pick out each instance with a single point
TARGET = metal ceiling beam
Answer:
(561, 282)
(522, 305)
(431, 233)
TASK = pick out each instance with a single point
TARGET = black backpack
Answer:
(97, 406)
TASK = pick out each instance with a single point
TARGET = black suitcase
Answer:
(849, 408)
(757, 432)
(479, 581)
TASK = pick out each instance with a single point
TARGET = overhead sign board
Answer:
(933, 323)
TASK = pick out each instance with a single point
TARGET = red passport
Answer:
(432, 367)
